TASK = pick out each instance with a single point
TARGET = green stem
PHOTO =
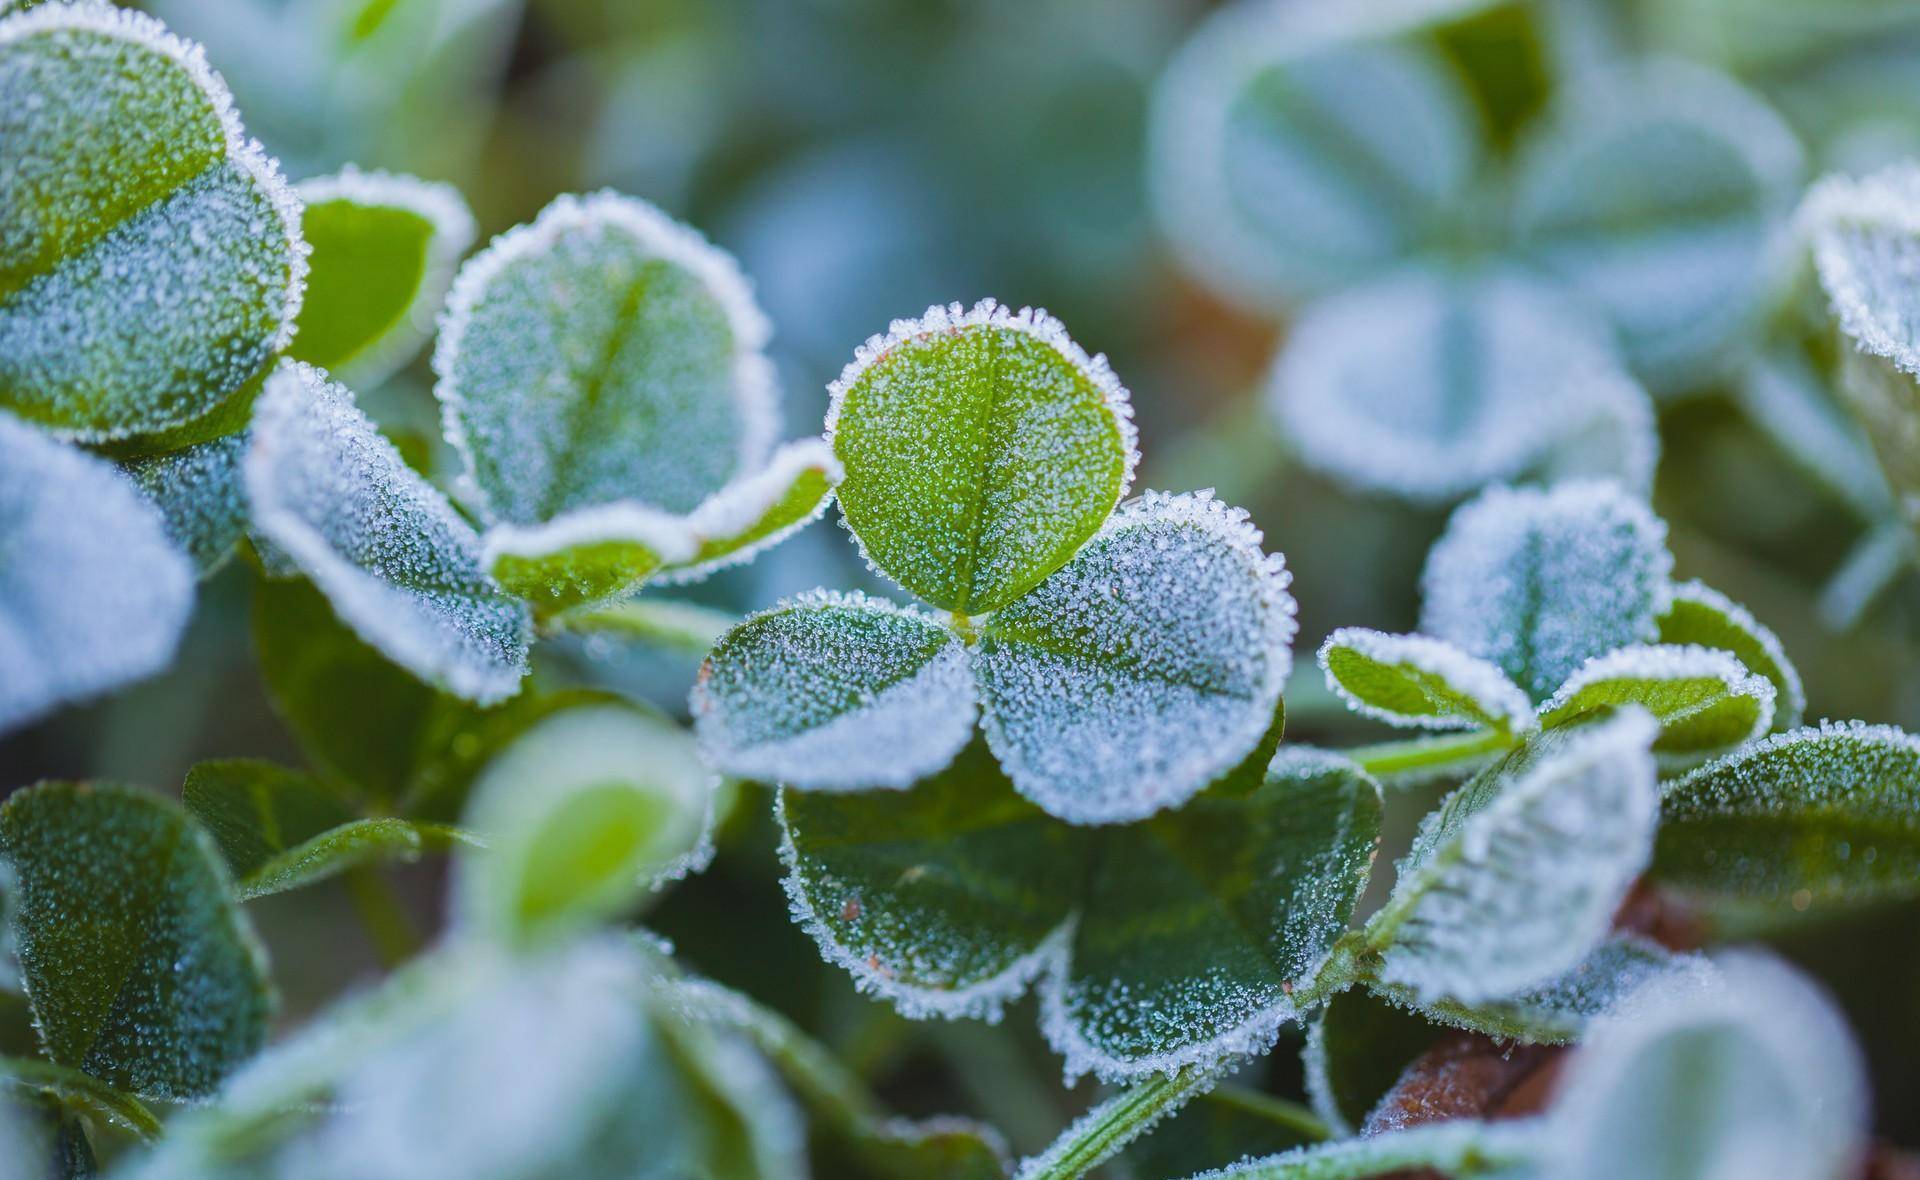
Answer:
(1290, 1115)
(394, 936)
(82, 1092)
(1100, 1134)
(675, 626)
(1430, 753)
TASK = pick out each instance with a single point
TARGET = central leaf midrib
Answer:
(976, 504)
(139, 922)
(592, 385)
(1063, 648)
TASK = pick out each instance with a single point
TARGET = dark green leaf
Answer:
(1356, 1051)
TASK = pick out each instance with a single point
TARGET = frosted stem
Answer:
(1387, 759)
(1100, 1134)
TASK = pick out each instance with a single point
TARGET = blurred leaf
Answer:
(1356, 1051)
(1705, 617)
(82, 1093)
(1704, 700)
(154, 266)
(1414, 680)
(140, 968)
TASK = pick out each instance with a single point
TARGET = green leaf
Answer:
(1824, 814)
(384, 250)
(1703, 616)
(197, 492)
(1173, 941)
(1654, 169)
(683, 627)
(394, 559)
(1539, 582)
(581, 813)
(81, 1093)
(982, 449)
(1461, 1149)
(1145, 668)
(1862, 235)
(1425, 382)
(755, 513)
(1704, 700)
(92, 594)
(279, 830)
(140, 968)
(153, 263)
(1356, 1051)
(1412, 680)
(1289, 155)
(1514, 879)
(834, 692)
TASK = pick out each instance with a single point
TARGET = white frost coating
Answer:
(1142, 669)
(92, 594)
(753, 385)
(1668, 661)
(1791, 697)
(738, 506)
(1537, 582)
(441, 206)
(789, 696)
(1726, 782)
(397, 563)
(1263, 211)
(1502, 897)
(1046, 1163)
(1865, 235)
(1429, 386)
(625, 520)
(1489, 688)
(1456, 1144)
(1749, 1072)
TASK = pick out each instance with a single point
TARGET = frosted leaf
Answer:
(1514, 879)
(1414, 680)
(1285, 159)
(603, 354)
(92, 595)
(1865, 238)
(982, 448)
(140, 968)
(580, 814)
(150, 255)
(759, 510)
(1754, 1074)
(1699, 614)
(398, 564)
(1538, 582)
(1145, 668)
(197, 491)
(1658, 192)
(1429, 385)
(384, 252)
(1173, 942)
(836, 692)
(1704, 700)
(1356, 1050)
(1460, 1147)
(1828, 814)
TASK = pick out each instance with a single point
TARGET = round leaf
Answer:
(1702, 699)
(1705, 617)
(152, 261)
(1145, 668)
(1412, 680)
(981, 448)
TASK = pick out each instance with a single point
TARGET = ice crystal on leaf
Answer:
(1415, 680)
(1701, 615)
(397, 563)
(151, 260)
(1703, 699)
(1865, 238)
(197, 490)
(1538, 582)
(92, 594)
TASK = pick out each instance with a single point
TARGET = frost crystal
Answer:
(1514, 879)
(151, 260)
(1430, 385)
(835, 692)
(197, 490)
(1145, 668)
(1415, 680)
(1538, 582)
(1700, 614)
(1865, 236)
(1702, 698)
(92, 594)
(397, 563)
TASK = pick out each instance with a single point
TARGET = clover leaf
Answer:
(602, 374)
(153, 261)
(1173, 941)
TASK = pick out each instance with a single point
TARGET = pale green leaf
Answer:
(982, 448)
(396, 562)
(1702, 615)
(1515, 878)
(1175, 941)
(1413, 680)
(197, 490)
(140, 968)
(92, 594)
(1145, 668)
(151, 261)
(1703, 699)
(582, 813)
(1538, 582)
(384, 251)
(834, 692)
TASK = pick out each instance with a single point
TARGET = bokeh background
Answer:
(865, 158)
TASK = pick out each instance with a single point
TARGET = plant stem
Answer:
(675, 626)
(1429, 753)
(1099, 1134)
(1290, 1115)
(1462, 1149)
(394, 936)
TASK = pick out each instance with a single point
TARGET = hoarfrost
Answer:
(1514, 879)
(1538, 582)
(835, 692)
(1416, 680)
(197, 490)
(758, 511)
(92, 593)
(1702, 697)
(1144, 668)
(397, 563)
(1865, 235)
(1700, 614)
